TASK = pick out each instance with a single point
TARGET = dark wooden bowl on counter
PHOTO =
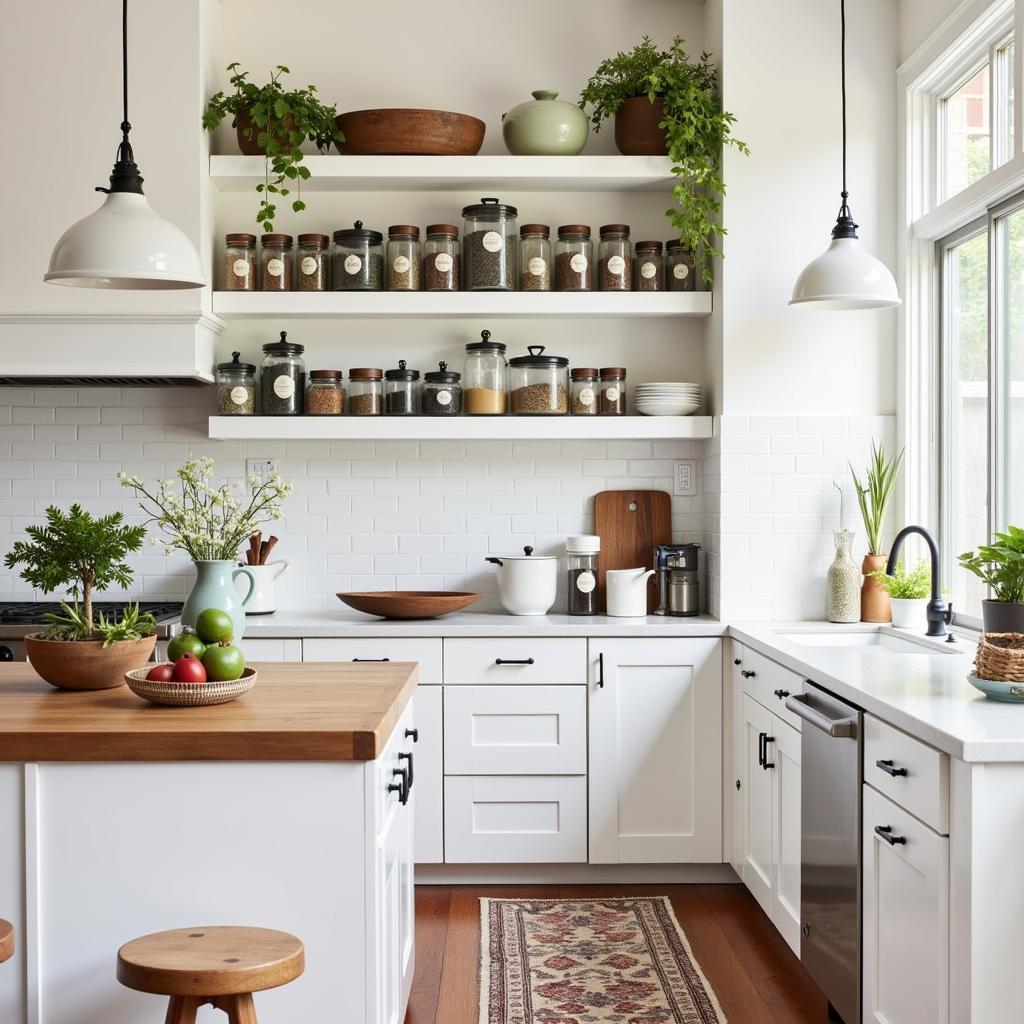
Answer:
(400, 131)
(409, 604)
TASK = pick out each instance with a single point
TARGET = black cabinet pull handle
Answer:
(513, 661)
(737, 661)
(767, 764)
(404, 756)
(887, 767)
(412, 734)
(400, 790)
(748, 673)
(885, 832)
(600, 670)
(761, 737)
(371, 659)
(781, 694)
(403, 778)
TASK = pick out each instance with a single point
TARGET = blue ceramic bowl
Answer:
(1012, 693)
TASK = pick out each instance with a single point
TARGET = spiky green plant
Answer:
(70, 624)
(874, 496)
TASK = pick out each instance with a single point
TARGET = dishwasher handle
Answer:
(837, 727)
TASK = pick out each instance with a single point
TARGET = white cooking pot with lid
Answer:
(526, 583)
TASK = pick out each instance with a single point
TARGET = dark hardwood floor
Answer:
(755, 975)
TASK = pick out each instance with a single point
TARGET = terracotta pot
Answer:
(86, 664)
(249, 147)
(1002, 617)
(401, 131)
(636, 127)
(874, 601)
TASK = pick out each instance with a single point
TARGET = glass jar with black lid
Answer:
(400, 387)
(357, 264)
(489, 246)
(486, 377)
(236, 387)
(540, 383)
(282, 378)
(442, 392)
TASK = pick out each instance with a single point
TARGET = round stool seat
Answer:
(6, 940)
(210, 961)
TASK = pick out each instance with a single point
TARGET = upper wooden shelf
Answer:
(458, 173)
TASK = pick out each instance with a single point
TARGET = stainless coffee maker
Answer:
(678, 567)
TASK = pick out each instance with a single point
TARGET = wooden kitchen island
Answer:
(119, 818)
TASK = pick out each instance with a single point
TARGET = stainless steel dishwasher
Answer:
(830, 846)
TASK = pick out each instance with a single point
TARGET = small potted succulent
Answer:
(908, 593)
(1001, 565)
(83, 555)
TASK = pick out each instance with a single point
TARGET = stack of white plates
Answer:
(667, 399)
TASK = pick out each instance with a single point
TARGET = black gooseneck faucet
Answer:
(940, 614)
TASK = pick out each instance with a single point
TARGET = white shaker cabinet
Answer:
(655, 750)
(428, 807)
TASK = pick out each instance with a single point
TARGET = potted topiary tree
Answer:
(908, 593)
(1001, 565)
(74, 551)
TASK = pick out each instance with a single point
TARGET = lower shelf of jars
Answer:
(462, 428)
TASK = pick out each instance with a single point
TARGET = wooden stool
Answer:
(6, 940)
(220, 966)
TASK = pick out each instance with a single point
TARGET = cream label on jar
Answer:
(586, 396)
(680, 271)
(443, 398)
(443, 262)
(284, 386)
(616, 265)
(353, 264)
(492, 241)
(401, 265)
(578, 263)
(536, 266)
(239, 395)
(275, 267)
(240, 268)
(585, 582)
(308, 265)
(611, 394)
(648, 270)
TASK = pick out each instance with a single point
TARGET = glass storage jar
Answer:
(276, 263)
(325, 395)
(581, 569)
(282, 378)
(649, 275)
(615, 259)
(680, 267)
(236, 387)
(400, 387)
(535, 269)
(612, 398)
(240, 262)
(442, 392)
(440, 271)
(403, 258)
(489, 246)
(365, 391)
(584, 391)
(574, 265)
(313, 262)
(540, 383)
(485, 376)
(357, 263)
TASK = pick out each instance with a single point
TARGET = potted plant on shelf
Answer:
(874, 497)
(210, 523)
(663, 102)
(274, 123)
(908, 593)
(83, 555)
(1001, 565)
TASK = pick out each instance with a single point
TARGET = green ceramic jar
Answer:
(545, 126)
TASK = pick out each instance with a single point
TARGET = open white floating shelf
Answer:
(458, 428)
(578, 305)
(458, 173)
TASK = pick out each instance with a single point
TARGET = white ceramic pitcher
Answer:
(264, 599)
(626, 591)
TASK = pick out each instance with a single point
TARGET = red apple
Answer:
(161, 674)
(189, 669)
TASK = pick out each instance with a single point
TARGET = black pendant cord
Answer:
(845, 227)
(125, 177)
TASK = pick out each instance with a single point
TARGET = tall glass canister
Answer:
(489, 246)
(485, 376)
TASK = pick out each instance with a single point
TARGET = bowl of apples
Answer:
(205, 667)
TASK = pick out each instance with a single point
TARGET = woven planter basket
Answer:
(188, 695)
(1000, 657)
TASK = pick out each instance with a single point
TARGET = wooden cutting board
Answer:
(631, 524)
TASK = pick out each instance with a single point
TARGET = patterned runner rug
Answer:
(582, 961)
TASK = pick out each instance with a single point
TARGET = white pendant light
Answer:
(125, 244)
(844, 276)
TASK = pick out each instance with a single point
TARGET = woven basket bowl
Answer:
(1000, 657)
(188, 695)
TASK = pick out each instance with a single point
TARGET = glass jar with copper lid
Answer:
(365, 391)
(611, 399)
(313, 263)
(680, 267)
(574, 264)
(325, 395)
(402, 263)
(649, 275)
(615, 259)
(441, 258)
(535, 270)
(276, 263)
(240, 262)
(583, 391)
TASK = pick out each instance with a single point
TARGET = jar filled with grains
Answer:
(615, 259)
(365, 392)
(649, 275)
(325, 395)
(535, 258)
(357, 262)
(240, 263)
(403, 258)
(574, 265)
(540, 383)
(584, 391)
(680, 267)
(612, 396)
(400, 387)
(442, 392)
(441, 258)
(236, 387)
(489, 247)
(313, 261)
(486, 377)
(282, 378)
(276, 263)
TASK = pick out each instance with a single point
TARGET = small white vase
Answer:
(910, 613)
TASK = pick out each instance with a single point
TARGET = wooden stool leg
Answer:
(240, 1009)
(182, 1010)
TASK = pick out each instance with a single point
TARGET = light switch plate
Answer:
(684, 477)
(262, 468)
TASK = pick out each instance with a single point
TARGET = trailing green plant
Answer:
(906, 586)
(874, 495)
(280, 121)
(696, 127)
(71, 624)
(77, 552)
(1000, 565)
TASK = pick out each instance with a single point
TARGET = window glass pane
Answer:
(1011, 235)
(968, 128)
(1009, 77)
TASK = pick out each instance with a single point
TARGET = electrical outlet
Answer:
(684, 477)
(262, 468)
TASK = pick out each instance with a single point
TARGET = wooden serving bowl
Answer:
(409, 604)
(398, 131)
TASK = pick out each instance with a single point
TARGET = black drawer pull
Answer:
(748, 673)
(371, 659)
(600, 670)
(761, 736)
(767, 764)
(888, 768)
(737, 661)
(513, 661)
(885, 832)
(412, 734)
(407, 757)
(403, 789)
(781, 694)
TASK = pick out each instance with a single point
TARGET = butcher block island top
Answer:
(295, 712)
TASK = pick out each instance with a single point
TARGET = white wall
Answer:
(918, 19)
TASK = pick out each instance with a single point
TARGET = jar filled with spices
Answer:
(403, 258)
(535, 258)
(325, 395)
(540, 383)
(581, 564)
(486, 377)
(441, 258)
(357, 263)
(282, 378)
(574, 265)
(583, 384)
(314, 263)
(240, 263)
(489, 249)
(276, 263)
(680, 267)
(615, 259)
(365, 392)
(236, 387)
(442, 392)
(649, 275)
(612, 392)
(400, 387)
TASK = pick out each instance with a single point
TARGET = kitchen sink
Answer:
(868, 641)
